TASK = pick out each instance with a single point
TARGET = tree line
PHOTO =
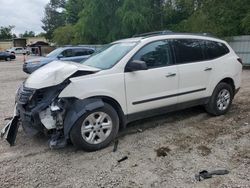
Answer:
(7, 34)
(102, 21)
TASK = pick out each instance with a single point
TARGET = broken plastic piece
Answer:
(115, 146)
(122, 159)
(57, 141)
(206, 175)
(10, 130)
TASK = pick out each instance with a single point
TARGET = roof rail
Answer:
(153, 33)
(168, 32)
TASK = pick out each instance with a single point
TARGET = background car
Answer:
(7, 56)
(18, 50)
(75, 54)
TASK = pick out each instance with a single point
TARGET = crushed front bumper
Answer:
(29, 103)
(10, 130)
(29, 121)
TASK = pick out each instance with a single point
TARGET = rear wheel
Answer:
(95, 129)
(221, 100)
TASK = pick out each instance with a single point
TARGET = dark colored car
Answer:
(7, 56)
(75, 54)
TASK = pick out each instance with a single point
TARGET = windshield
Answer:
(54, 53)
(109, 55)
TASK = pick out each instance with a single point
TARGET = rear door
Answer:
(195, 71)
(155, 87)
(81, 54)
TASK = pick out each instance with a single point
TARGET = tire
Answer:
(85, 133)
(221, 99)
(7, 59)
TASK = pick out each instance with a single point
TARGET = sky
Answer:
(23, 14)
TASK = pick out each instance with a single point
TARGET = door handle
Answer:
(170, 75)
(208, 69)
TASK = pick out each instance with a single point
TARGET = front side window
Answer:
(68, 53)
(188, 50)
(54, 53)
(155, 54)
(111, 54)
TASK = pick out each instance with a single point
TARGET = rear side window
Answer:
(188, 50)
(155, 54)
(215, 49)
(83, 52)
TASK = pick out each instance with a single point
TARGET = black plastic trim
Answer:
(167, 96)
(166, 109)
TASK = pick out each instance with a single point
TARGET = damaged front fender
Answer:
(77, 109)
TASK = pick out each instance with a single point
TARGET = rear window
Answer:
(188, 50)
(215, 49)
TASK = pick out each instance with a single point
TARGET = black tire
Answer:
(76, 136)
(212, 106)
(7, 59)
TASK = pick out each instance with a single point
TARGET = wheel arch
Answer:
(78, 107)
(115, 104)
(229, 81)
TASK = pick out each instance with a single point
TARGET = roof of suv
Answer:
(77, 47)
(160, 34)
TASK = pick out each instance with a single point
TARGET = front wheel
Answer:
(7, 59)
(95, 129)
(221, 100)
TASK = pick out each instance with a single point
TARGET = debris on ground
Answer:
(162, 151)
(140, 130)
(206, 175)
(8, 118)
(122, 159)
(115, 145)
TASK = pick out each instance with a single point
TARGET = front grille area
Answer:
(24, 94)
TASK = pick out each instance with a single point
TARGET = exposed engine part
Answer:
(47, 119)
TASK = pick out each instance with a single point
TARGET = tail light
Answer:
(240, 60)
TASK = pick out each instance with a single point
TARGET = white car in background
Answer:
(18, 50)
(127, 80)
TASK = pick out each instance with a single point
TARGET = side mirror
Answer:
(59, 56)
(136, 65)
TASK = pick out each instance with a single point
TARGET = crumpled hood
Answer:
(55, 73)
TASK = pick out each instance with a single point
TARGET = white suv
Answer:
(127, 80)
(18, 50)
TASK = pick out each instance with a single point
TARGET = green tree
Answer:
(73, 9)
(64, 35)
(98, 22)
(6, 32)
(135, 17)
(54, 18)
(28, 34)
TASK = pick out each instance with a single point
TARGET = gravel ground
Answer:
(164, 151)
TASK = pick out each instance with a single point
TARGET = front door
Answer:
(155, 87)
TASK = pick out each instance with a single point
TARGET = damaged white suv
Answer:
(127, 80)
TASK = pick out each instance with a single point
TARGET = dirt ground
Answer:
(164, 151)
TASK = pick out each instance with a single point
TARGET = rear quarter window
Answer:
(215, 50)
